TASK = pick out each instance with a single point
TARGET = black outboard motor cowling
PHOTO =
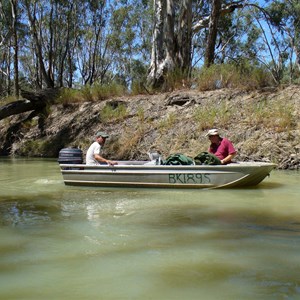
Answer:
(70, 156)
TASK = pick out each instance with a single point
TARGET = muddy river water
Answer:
(62, 242)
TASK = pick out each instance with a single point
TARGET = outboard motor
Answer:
(70, 156)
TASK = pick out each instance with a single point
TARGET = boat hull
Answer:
(139, 174)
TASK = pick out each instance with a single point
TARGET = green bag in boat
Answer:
(179, 159)
(205, 158)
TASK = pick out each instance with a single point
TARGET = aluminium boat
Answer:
(143, 174)
(156, 175)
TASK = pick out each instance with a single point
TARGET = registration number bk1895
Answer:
(189, 178)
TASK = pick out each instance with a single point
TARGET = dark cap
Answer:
(102, 134)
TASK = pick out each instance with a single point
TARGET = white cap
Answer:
(212, 132)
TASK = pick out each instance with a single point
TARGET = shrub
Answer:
(68, 96)
(209, 116)
(36, 148)
(176, 79)
(111, 114)
(244, 76)
(279, 117)
(167, 123)
(105, 91)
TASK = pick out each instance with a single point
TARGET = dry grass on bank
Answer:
(93, 93)
(244, 76)
(278, 116)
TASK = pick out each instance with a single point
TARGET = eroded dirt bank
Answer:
(263, 125)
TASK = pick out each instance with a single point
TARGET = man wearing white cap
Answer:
(93, 156)
(220, 147)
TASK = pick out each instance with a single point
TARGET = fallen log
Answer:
(47, 95)
(35, 101)
(18, 107)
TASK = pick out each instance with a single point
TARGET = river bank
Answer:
(263, 125)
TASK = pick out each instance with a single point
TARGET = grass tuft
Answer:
(243, 76)
(110, 114)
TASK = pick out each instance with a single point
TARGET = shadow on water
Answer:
(264, 186)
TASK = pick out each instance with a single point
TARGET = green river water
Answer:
(62, 242)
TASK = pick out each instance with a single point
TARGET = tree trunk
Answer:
(37, 102)
(15, 45)
(212, 33)
(8, 70)
(171, 48)
(155, 77)
(185, 37)
(38, 46)
(18, 107)
(171, 42)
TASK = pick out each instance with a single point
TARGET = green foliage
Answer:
(86, 93)
(68, 96)
(176, 79)
(111, 114)
(105, 91)
(244, 76)
(205, 117)
(277, 11)
(137, 88)
(279, 117)
(167, 123)
(30, 123)
(209, 116)
(96, 92)
(113, 39)
(141, 115)
(138, 75)
(34, 148)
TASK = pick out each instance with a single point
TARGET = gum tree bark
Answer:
(185, 37)
(172, 36)
(156, 70)
(212, 33)
(14, 4)
(47, 76)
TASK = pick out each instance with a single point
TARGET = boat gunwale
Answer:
(242, 165)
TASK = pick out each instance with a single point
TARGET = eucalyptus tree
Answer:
(35, 12)
(65, 26)
(114, 34)
(285, 16)
(14, 15)
(53, 37)
(212, 32)
(130, 38)
(176, 27)
(266, 41)
(9, 44)
(172, 39)
(92, 48)
(5, 55)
